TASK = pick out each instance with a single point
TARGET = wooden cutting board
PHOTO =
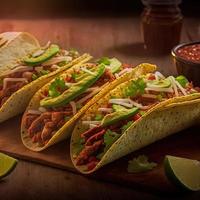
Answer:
(185, 144)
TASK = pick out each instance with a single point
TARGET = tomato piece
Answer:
(136, 117)
(151, 77)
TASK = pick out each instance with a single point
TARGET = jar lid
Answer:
(161, 2)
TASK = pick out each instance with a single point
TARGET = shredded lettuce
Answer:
(135, 87)
(104, 60)
(140, 164)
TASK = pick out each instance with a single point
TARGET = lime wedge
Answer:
(7, 165)
(183, 172)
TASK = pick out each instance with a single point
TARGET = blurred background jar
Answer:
(161, 25)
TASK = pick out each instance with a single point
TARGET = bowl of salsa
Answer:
(187, 59)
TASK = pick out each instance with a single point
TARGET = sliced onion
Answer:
(92, 89)
(138, 105)
(34, 112)
(91, 122)
(159, 75)
(87, 71)
(42, 109)
(173, 82)
(55, 67)
(181, 88)
(122, 103)
(56, 60)
(159, 89)
(93, 125)
(37, 53)
(6, 80)
(107, 110)
(73, 105)
(47, 45)
(150, 96)
(18, 69)
(88, 96)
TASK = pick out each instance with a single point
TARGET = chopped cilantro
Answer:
(126, 126)
(78, 106)
(74, 76)
(141, 112)
(140, 164)
(134, 88)
(182, 80)
(109, 138)
(44, 72)
(79, 146)
(56, 85)
(104, 60)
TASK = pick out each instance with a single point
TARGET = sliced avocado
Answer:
(118, 115)
(164, 83)
(118, 107)
(49, 53)
(114, 65)
(75, 90)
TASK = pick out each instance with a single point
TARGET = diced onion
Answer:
(181, 88)
(56, 60)
(34, 112)
(87, 71)
(73, 105)
(159, 89)
(88, 96)
(6, 80)
(107, 110)
(42, 109)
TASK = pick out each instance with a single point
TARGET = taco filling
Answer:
(67, 94)
(39, 63)
(114, 117)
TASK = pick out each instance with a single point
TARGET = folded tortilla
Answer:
(14, 45)
(65, 131)
(16, 102)
(163, 119)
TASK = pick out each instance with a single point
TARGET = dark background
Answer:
(85, 8)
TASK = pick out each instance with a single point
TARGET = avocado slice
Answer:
(75, 90)
(114, 65)
(49, 53)
(121, 114)
(164, 83)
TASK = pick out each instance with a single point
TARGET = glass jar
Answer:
(161, 24)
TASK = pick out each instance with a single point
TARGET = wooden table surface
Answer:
(109, 36)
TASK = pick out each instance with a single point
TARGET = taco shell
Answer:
(66, 130)
(162, 120)
(14, 45)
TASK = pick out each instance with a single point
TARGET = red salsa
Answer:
(190, 52)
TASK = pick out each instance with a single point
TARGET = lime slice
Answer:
(183, 172)
(7, 165)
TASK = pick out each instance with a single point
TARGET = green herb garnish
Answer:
(126, 126)
(104, 60)
(140, 164)
(98, 117)
(56, 86)
(135, 87)
(182, 80)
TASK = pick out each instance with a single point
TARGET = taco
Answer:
(54, 109)
(132, 115)
(14, 45)
(17, 85)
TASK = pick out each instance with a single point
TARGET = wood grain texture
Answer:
(118, 37)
